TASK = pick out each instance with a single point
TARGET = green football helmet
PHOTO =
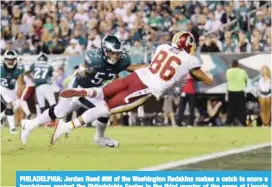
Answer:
(112, 49)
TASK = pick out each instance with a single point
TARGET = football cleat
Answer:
(13, 131)
(106, 142)
(61, 129)
(27, 127)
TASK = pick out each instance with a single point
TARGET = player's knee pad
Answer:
(9, 111)
(52, 113)
(103, 120)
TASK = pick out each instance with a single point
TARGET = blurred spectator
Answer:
(182, 22)
(166, 21)
(228, 15)
(267, 44)
(5, 18)
(201, 43)
(213, 109)
(191, 28)
(42, 48)
(259, 21)
(219, 12)
(56, 45)
(196, 15)
(81, 16)
(136, 53)
(255, 40)
(59, 77)
(130, 18)
(243, 44)
(204, 25)
(81, 39)
(94, 40)
(74, 48)
(2, 43)
(242, 15)
(49, 24)
(7, 35)
(16, 13)
(210, 45)
(168, 110)
(228, 45)
(215, 23)
(154, 20)
(265, 89)
(122, 33)
(20, 43)
(188, 94)
(28, 18)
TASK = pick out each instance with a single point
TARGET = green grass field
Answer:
(140, 147)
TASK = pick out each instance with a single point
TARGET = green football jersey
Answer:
(101, 70)
(9, 77)
(42, 72)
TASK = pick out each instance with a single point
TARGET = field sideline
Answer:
(141, 147)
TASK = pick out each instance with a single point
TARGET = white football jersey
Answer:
(169, 67)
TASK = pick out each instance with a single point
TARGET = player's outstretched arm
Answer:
(202, 76)
(134, 67)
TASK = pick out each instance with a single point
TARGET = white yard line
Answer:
(193, 160)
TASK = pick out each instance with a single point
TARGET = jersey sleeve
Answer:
(93, 59)
(125, 62)
(31, 68)
(21, 69)
(194, 63)
(50, 71)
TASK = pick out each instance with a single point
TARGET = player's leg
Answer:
(40, 95)
(3, 108)
(64, 106)
(49, 95)
(25, 108)
(9, 96)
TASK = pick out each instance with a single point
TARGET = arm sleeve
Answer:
(50, 73)
(127, 62)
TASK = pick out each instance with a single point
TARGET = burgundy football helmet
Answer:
(184, 41)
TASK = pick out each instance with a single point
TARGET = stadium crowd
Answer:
(70, 27)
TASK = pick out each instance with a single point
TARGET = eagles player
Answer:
(10, 72)
(99, 66)
(42, 74)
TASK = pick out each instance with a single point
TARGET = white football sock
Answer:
(38, 110)
(11, 121)
(100, 129)
(2, 115)
(43, 118)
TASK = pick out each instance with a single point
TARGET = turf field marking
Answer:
(205, 157)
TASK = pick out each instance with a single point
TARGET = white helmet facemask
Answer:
(10, 59)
